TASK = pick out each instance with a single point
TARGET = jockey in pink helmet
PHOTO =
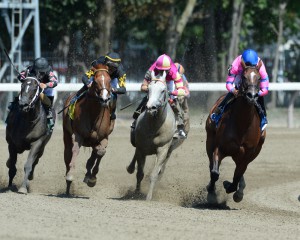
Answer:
(175, 87)
(235, 71)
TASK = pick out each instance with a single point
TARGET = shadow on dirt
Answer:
(204, 200)
(63, 195)
(131, 195)
(13, 188)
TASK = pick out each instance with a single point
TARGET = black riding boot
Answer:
(79, 94)
(139, 110)
(262, 113)
(224, 102)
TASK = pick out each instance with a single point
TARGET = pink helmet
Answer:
(163, 62)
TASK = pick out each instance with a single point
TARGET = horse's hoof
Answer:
(237, 196)
(92, 182)
(210, 189)
(212, 198)
(228, 187)
(22, 190)
(7, 163)
(130, 169)
(30, 177)
(69, 178)
(86, 179)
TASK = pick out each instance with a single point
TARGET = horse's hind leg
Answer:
(214, 164)
(239, 194)
(71, 151)
(241, 166)
(161, 161)
(11, 164)
(92, 167)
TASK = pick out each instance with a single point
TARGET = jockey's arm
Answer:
(52, 80)
(180, 91)
(144, 86)
(264, 82)
(121, 81)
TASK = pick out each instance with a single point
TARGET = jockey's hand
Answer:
(178, 92)
(235, 92)
(89, 85)
(43, 85)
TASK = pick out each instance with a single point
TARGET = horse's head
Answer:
(249, 86)
(30, 91)
(157, 95)
(101, 88)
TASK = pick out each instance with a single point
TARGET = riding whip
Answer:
(11, 61)
(128, 105)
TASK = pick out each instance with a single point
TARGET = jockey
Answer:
(175, 87)
(48, 81)
(235, 71)
(117, 75)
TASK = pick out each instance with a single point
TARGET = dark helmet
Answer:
(41, 65)
(112, 59)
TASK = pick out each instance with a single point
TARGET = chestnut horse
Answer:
(237, 135)
(90, 127)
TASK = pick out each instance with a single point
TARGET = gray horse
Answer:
(26, 130)
(154, 132)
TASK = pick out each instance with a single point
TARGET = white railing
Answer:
(71, 87)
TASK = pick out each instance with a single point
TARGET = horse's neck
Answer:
(159, 118)
(35, 113)
(244, 110)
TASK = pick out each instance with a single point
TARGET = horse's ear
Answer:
(259, 64)
(152, 75)
(243, 64)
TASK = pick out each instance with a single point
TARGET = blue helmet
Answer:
(250, 57)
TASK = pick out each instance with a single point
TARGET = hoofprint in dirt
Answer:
(270, 209)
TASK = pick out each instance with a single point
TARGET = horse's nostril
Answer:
(250, 95)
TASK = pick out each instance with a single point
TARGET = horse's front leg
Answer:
(161, 160)
(241, 166)
(11, 163)
(33, 155)
(93, 168)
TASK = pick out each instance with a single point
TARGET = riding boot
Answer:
(50, 121)
(13, 103)
(180, 133)
(79, 94)
(217, 113)
(262, 113)
(139, 110)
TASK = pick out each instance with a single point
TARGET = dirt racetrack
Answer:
(270, 208)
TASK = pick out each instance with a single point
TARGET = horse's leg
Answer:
(131, 167)
(70, 162)
(67, 155)
(89, 165)
(11, 163)
(161, 160)
(39, 155)
(141, 159)
(240, 168)
(28, 167)
(239, 194)
(214, 164)
(100, 151)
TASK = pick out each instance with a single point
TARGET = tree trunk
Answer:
(291, 109)
(210, 52)
(175, 29)
(282, 9)
(238, 11)
(105, 22)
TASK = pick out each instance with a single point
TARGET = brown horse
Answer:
(237, 135)
(90, 127)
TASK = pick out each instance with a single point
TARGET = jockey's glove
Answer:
(178, 92)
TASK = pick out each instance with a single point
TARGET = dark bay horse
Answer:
(238, 134)
(27, 130)
(154, 132)
(90, 127)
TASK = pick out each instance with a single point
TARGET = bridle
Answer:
(37, 92)
(102, 85)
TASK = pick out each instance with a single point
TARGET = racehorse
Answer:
(27, 130)
(237, 135)
(90, 127)
(154, 132)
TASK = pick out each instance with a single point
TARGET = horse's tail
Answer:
(131, 167)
